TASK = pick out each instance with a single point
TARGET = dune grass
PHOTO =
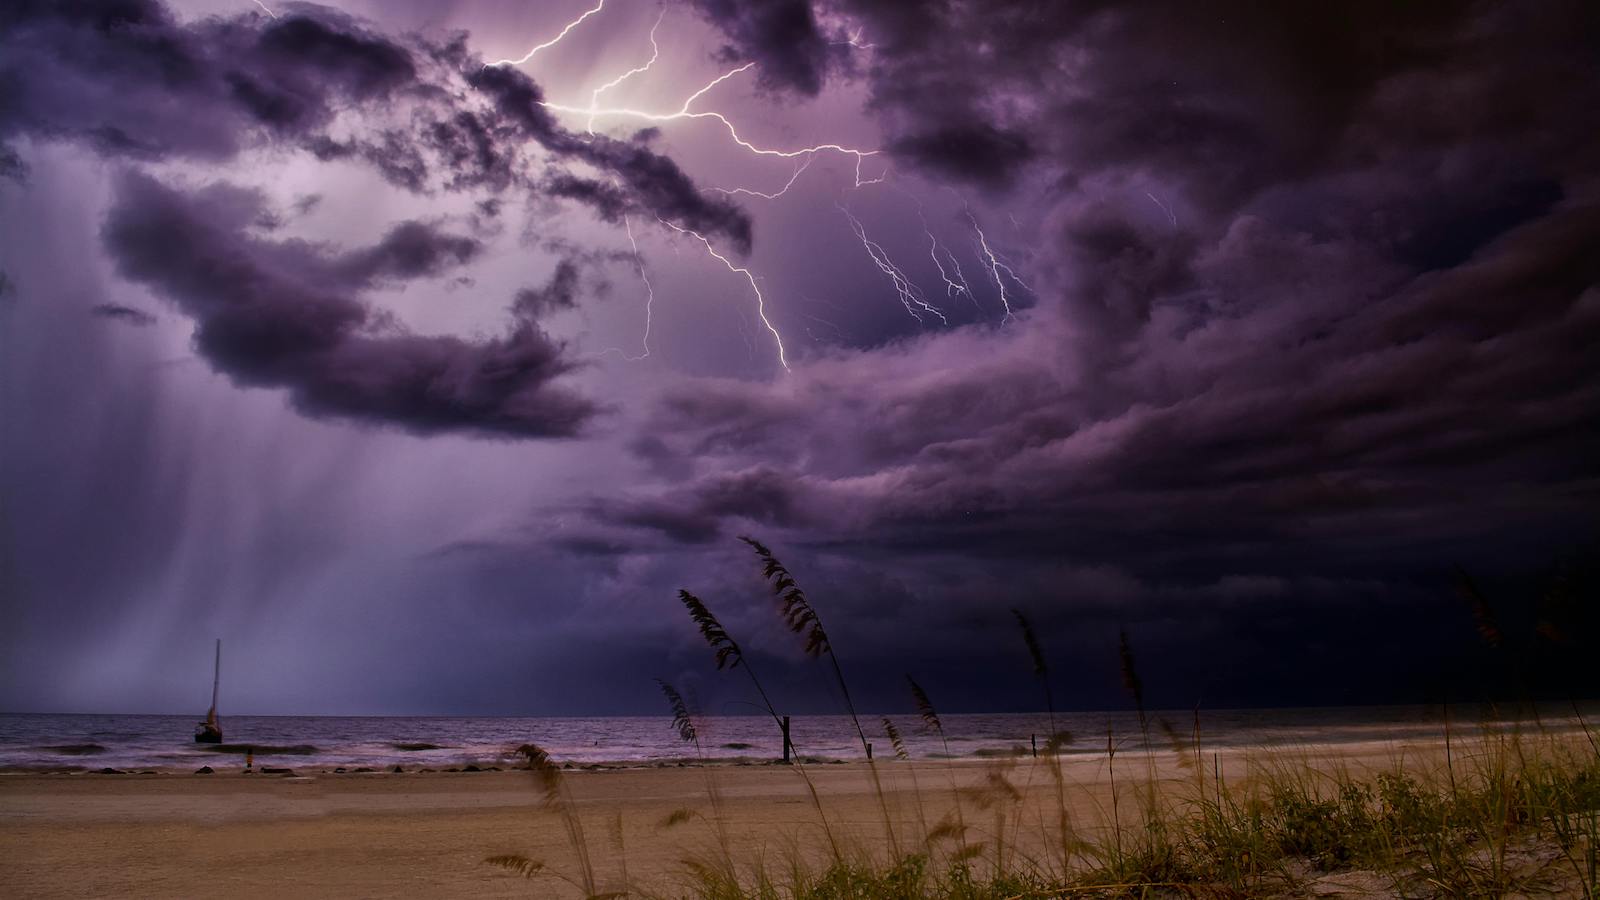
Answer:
(1509, 810)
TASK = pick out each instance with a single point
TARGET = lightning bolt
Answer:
(839, 333)
(649, 298)
(265, 9)
(951, 287)
(1171, 216)
(853, 39)
(655, 54)
(552, 42)
(910, 295)
(1010, 270)
(995, 265)
(685, 112)
(761, 302)
(774, 195)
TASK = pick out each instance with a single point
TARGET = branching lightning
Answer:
(911, 296)
(265, 9)
(839, 332)
(908, 292)
(1171, 216)
(649, 297)
(761, 302)
(853, 39)
(685, 112)
(729, 192)
(995, 265)
(952, 287)
(553, 41)
(655, 54)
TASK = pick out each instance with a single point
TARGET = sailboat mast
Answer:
(216, 677)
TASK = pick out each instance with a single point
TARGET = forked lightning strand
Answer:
(649, 296)
(684, 112)
(1171, 216)
(910, 295)
(853, 39)
(798, 170)
(655, 54)
(761, 302)
(995, 265)
(951, 287)
(552, 42)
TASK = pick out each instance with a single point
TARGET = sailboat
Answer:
(210, 731)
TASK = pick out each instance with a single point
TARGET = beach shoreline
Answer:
(380, 833)
(39, 743)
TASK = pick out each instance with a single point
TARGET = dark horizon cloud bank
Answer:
(1265, 321)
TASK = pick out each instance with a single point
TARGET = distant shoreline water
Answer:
(48, 742)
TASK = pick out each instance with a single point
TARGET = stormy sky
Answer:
(422, 351)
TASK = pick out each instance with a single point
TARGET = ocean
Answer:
(36, 742)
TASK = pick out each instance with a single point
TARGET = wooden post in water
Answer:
(869, 751)
(1035, 739)
(786, 744)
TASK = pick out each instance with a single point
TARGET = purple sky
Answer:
(1233, 327)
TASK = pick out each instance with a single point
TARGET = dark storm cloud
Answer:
(559, 293)
(1315, 303)
(977, 89)
(607, 200)
(759, 496)
(782, 35)
(979, 153)
(1424, 417)
(286, 314)
(11, 165)
(658, 186)
(1314, 321)
(409, 250)
(471, 151)
(119, 313)
(129, 80)
(644, 180)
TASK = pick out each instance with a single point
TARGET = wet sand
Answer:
(321, 834)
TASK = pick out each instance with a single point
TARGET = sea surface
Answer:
(135, 742)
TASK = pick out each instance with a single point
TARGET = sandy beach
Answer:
(381, 834)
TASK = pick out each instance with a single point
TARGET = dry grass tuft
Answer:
(514, 862)
(1032, 640)
(894, 739)
(543, 768)
(728, 653)
(1130, 672)
(682, 722)
(1182, 746)
(930, 716)
(1482, 614)
(946, 830)
(797, 612)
